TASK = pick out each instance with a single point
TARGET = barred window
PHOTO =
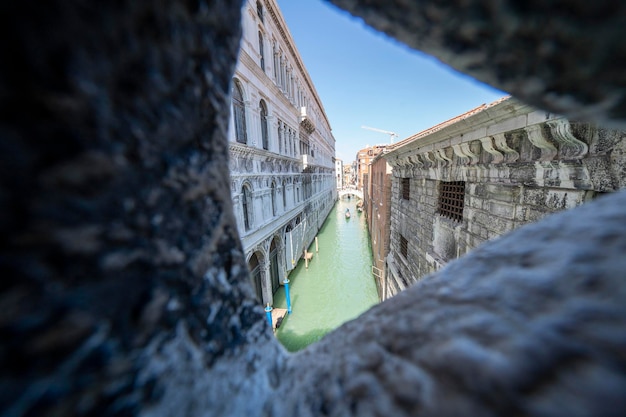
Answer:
(406, 188)
(451, 199)
(404, 246)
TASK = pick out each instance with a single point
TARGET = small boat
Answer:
(347, 213)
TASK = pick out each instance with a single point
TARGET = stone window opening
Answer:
(273, 199)
(264, 133)
(276, 62)
(259, 11)
(261, 53)
(451, 200)
(246, 206)
(406, 188)
(404, 247)
(239, 113)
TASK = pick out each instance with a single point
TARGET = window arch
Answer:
(264, 125)
(239, 113)
(246, 205)
(261, 52)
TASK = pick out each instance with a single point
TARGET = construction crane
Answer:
(391, 134)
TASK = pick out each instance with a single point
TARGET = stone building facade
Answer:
(377, 204)
(363, 159)
(485, 173)
(339, 173)
(281, 149)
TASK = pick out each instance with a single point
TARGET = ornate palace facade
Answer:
(281, 150)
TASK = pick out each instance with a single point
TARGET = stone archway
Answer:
(276, 266)
(256, 274)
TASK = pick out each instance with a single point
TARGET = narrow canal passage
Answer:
(338, 284)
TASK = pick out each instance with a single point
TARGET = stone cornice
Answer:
(237, 149)
(478, 138)
(552, 140)
(254, 238)
(491, 120)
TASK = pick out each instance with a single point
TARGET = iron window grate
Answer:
(406, 188)
(404, 246)
(451, 199)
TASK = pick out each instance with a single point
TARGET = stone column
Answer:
(266, 282)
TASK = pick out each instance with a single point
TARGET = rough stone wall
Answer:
(565, 56)
(413, 219)
(124, 287)
(518, 327)
(518, 165)
(119, 247)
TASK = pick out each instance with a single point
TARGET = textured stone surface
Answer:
(530, 324)
(566, 56)
(118, 240)
(124, 291)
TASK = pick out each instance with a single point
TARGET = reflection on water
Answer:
(337, 286)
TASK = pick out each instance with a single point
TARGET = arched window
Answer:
(239, 113)
(284, 195)
(261, 51)
(273, 198)
(246, 204)
(264, 124)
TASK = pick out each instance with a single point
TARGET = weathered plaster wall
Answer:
(124, 287)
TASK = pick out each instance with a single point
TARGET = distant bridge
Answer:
(348, 191)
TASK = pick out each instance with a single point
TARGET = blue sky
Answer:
(365, 78)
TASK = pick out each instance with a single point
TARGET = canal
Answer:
(338, 284)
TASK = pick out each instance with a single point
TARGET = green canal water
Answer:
(338, 284)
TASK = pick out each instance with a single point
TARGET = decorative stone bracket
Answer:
(496, 155)
(569, 147)
(510, 155)
(537, 138)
